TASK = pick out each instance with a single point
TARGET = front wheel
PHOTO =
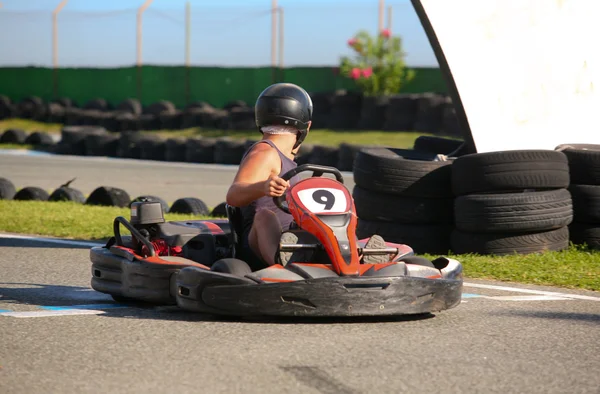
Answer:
(231, 266)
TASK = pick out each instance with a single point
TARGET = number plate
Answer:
(324, 200)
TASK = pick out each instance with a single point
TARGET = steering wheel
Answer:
(317, 171)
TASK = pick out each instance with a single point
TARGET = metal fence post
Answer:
(273, 41)
(141, 10)
(58, 8)
(281, 30)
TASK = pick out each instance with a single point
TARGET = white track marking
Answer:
(528, 291)
(50, 240)
(51, 313)
(528, 298)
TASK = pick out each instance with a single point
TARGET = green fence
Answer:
(179, 84)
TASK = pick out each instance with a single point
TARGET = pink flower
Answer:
(386, 33)
(355, 73)
(352, 42)
(367, 72)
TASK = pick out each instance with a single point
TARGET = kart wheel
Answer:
(231, 266)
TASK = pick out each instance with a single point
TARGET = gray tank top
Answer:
(249, 211)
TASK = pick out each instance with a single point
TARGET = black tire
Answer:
(436, 145)
(235, 104)
(163, 203)
(175, 150)
(584, 163)
(434, 239)
(402, 172)
(39, 138)
(31, 108)
(584, 233)
(97, 104)
(510, 243)
(200, 150)
(131, 106)
(219, 211)
(586, 203)
(7, 189)
(67, 194)
(108, 196)
(13, 136)
(513, 212)
(510, 171)
(31, 193)
(325, 155)
(405, 210)
(160, 107)
(190, 206)
(417, 260)
(101, 145)
(72, 141)
(229, 151)
(231, 266)
(152, 149)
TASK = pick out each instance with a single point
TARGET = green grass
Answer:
(16, 146)
(400, 139)
(572, 268)
(64, 219)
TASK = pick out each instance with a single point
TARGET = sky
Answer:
(102, 33)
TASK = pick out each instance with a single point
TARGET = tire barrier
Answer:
(31, 193)
(65, 193)
(13, 136)
(189, 206)
(584, 170)
(404, 196)
(343, 110)
(7, 189)
(108, 196)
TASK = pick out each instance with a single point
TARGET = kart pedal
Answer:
(295, 237)
(375, 242)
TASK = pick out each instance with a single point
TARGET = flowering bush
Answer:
(378, 66)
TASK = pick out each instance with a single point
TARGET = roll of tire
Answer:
(322, 103)
(586, 203)
(129, 145)
(92, 117)
(584, 163)
(436, 145)
(235, 104)
(385, 207)
(31, 193)
(67, 194)
(170, 121)
(242, 118)
(163, 203)
(190, 206)
(345, 112)
(109, 196)
(401, 112)
(149, 122)
(65, 102)
(56, 113)
(127, 122)
(347, 154)
(514, 212)
(7, 110)
(372, 113)
(585, 234)
(450, 124)
(153, 149)
(425, 238)
(198, 105)
(73, 116)
(430, 111)
(229, 151)
(508, 171)
(109, 121)
(13, 136)
(31, 108)
(220, 211)
(304, 155)
(200, 150)
(510, 243)
(7, 189)
(403, 172)
(101, 144)
(175, 149)
(325, 155)
(97, 104)
(72, 141)
(130, 105)
(160, 107)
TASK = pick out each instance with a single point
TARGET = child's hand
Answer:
(275, 186)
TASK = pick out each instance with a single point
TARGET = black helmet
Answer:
(284, 104)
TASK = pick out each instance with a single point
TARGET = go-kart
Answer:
(324, 271)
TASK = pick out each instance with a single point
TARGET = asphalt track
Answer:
(169, 181)
(59, 336)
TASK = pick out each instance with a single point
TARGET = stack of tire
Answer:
(584, 165)
(404, 196)
(511, 202)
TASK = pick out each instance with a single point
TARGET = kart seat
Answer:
(234, 216)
